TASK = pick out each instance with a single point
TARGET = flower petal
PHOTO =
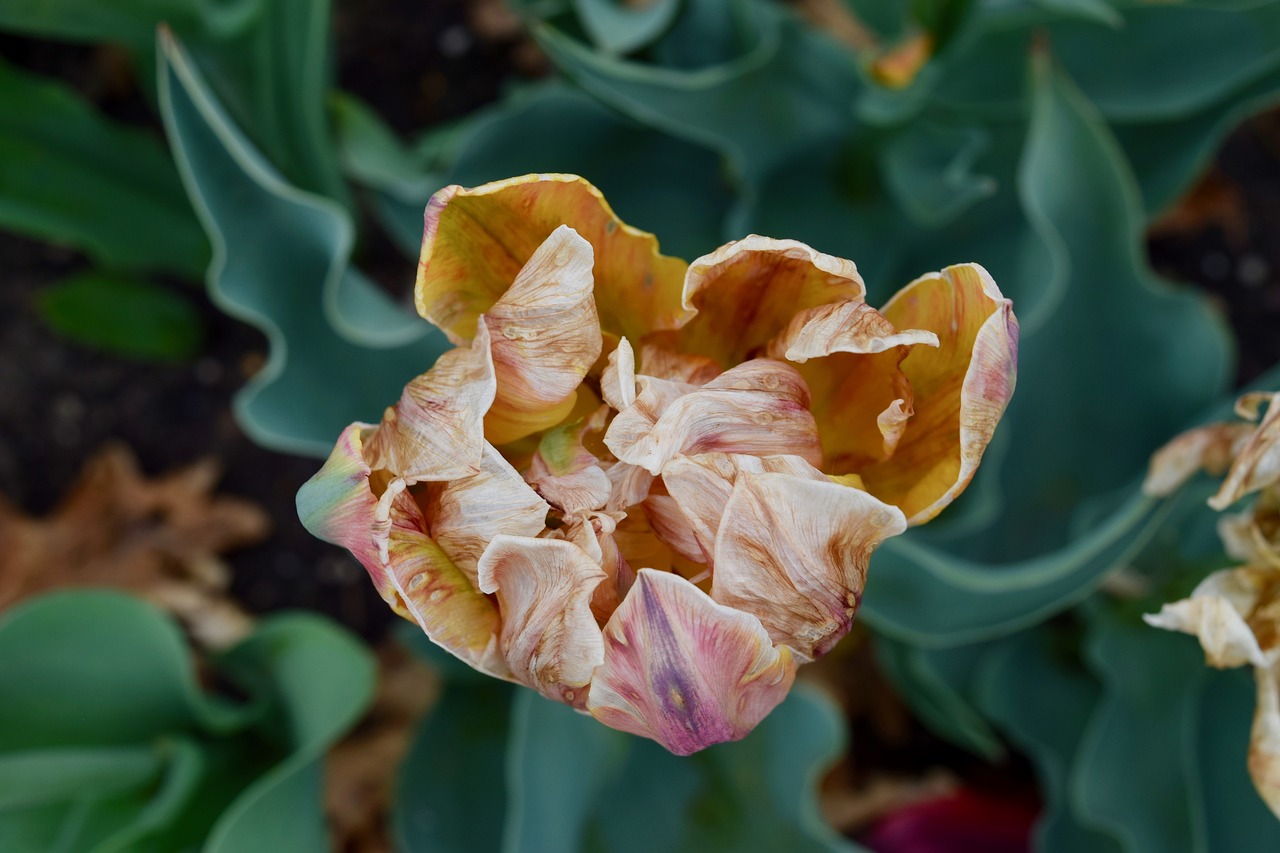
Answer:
(760, 407)
(746, 292)
(337, 505)
(1257, 464)
(1264, 740)
(683, 670)
(1217, 613)
(618, 381)
(629, 485)
(663, 363)
(546, 336)
(794, 552)
(435, 593)
(465, 514)
(476, 240)
(701, 485)
(853, 327)
(549, 637)
(436, 430)
(565, 472)
(1208, 448)
(961, 388)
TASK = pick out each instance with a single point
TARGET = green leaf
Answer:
(936, 684)
(104, 651)
(131, 22)
(619, 27)
(1094, 11)
(317, 679)
(929, 170)
(123, 316)
(449, 792)
(56, 775)
(280, 263)
(69, 175)
(789, 86)
(576, 785)
(1044, 700)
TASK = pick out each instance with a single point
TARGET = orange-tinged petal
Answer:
(760, 408)
(672, 526)
(476, 240)
(663, 363)
(794, 551)
(686, 671)
(545, 337)
(1208, 448)
(337, 505)
(746, 292)
(961, 388)
(565, 472)
(436, 431)
(1257, 463)
(464, 515)
(842, 327)
(435, 593)
(549, 637)
(633, 427)
(1264, 739)
(630, 485)
(701, 486)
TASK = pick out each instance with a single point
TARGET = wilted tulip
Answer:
(1235, 613)
(650, 489)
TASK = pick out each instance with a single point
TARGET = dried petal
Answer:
(961, 388)
(702, 485)
(567, 474)
(434, 592)
(746, 292)
(686, 671)
(546, 336)
(794, 552)
(760, 408)
(853, 327)
(436, 431)
(476, 240)
(1257, 463)
(549, 637)
(466, 514)
(1264, 740)
(629, 485)
(618, 382)
(663, 363)
(1209, 448)
(338, 505)
(1218, 612)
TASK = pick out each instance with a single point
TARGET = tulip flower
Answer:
(1235, 613)
(650, 489)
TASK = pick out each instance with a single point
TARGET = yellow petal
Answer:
(476, 240)
(465, 514)
(746, 292)
(701, 486)
(686, 671)
(961, 388)
(1257, 465)
(1209, 448)
(436, 431)
(759, 408)
(1218, 612)
(794, 552)
(545, 337)
(435, 593)
(549, 637)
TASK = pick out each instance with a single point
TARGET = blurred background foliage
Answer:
(1040, 138)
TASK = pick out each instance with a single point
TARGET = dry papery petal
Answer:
(794, 551)
(435, 593)
(1264, 740)
(1253, 536)
(564, 472)
(1208, 448)
(436, 431)
(475, 241)
(746, 292)
(1220, 611)
(549, 637)
(701, 486)
(465, 515)
(618, 381)
(686, 671)
(546, 336)
(760, 407)
(853, 327)
(1257, 462)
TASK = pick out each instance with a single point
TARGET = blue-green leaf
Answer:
(123, 316)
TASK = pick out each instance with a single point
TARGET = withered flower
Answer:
(646, 488)
(1235, 613)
